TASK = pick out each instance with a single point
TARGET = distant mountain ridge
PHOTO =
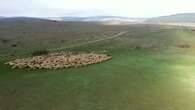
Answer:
(176, 18)
(98, 19)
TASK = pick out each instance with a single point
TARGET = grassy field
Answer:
(148, 70)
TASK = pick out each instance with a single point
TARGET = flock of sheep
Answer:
(59, 60)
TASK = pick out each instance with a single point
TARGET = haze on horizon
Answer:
(126, 8)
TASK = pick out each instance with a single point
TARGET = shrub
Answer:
(14, 45)
(184, 46)
(5, 41)
(40, 52)
(138, 47)
(62, 41)
(24, 33)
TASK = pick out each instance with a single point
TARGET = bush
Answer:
(5, 41)
(24, 33)
(138, 47)
(40, 52)
(14, 45)
(184, 46)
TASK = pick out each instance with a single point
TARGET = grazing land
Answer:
(152, 67)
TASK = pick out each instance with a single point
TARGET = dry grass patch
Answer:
(59, 60)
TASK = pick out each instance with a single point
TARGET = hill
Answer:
(100, 19)
(13, 20)
(176, 18)
(1, 16)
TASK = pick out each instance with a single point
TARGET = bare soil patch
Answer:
(59, 60)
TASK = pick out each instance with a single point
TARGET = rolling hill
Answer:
(12, 20)
(100, 19)
(176, 18)
(1, 17)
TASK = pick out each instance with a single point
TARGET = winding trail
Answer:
(90, 42)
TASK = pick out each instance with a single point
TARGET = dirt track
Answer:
(90, 42)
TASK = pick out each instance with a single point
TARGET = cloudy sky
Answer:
(128, 8)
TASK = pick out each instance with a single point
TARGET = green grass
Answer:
(158, 77)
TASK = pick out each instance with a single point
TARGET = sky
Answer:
(81, 8)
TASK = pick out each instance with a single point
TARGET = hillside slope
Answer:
(20, 19)
(179, 18)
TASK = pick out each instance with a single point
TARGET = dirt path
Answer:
(90, 42)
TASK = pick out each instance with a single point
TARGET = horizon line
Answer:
(23, 16)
